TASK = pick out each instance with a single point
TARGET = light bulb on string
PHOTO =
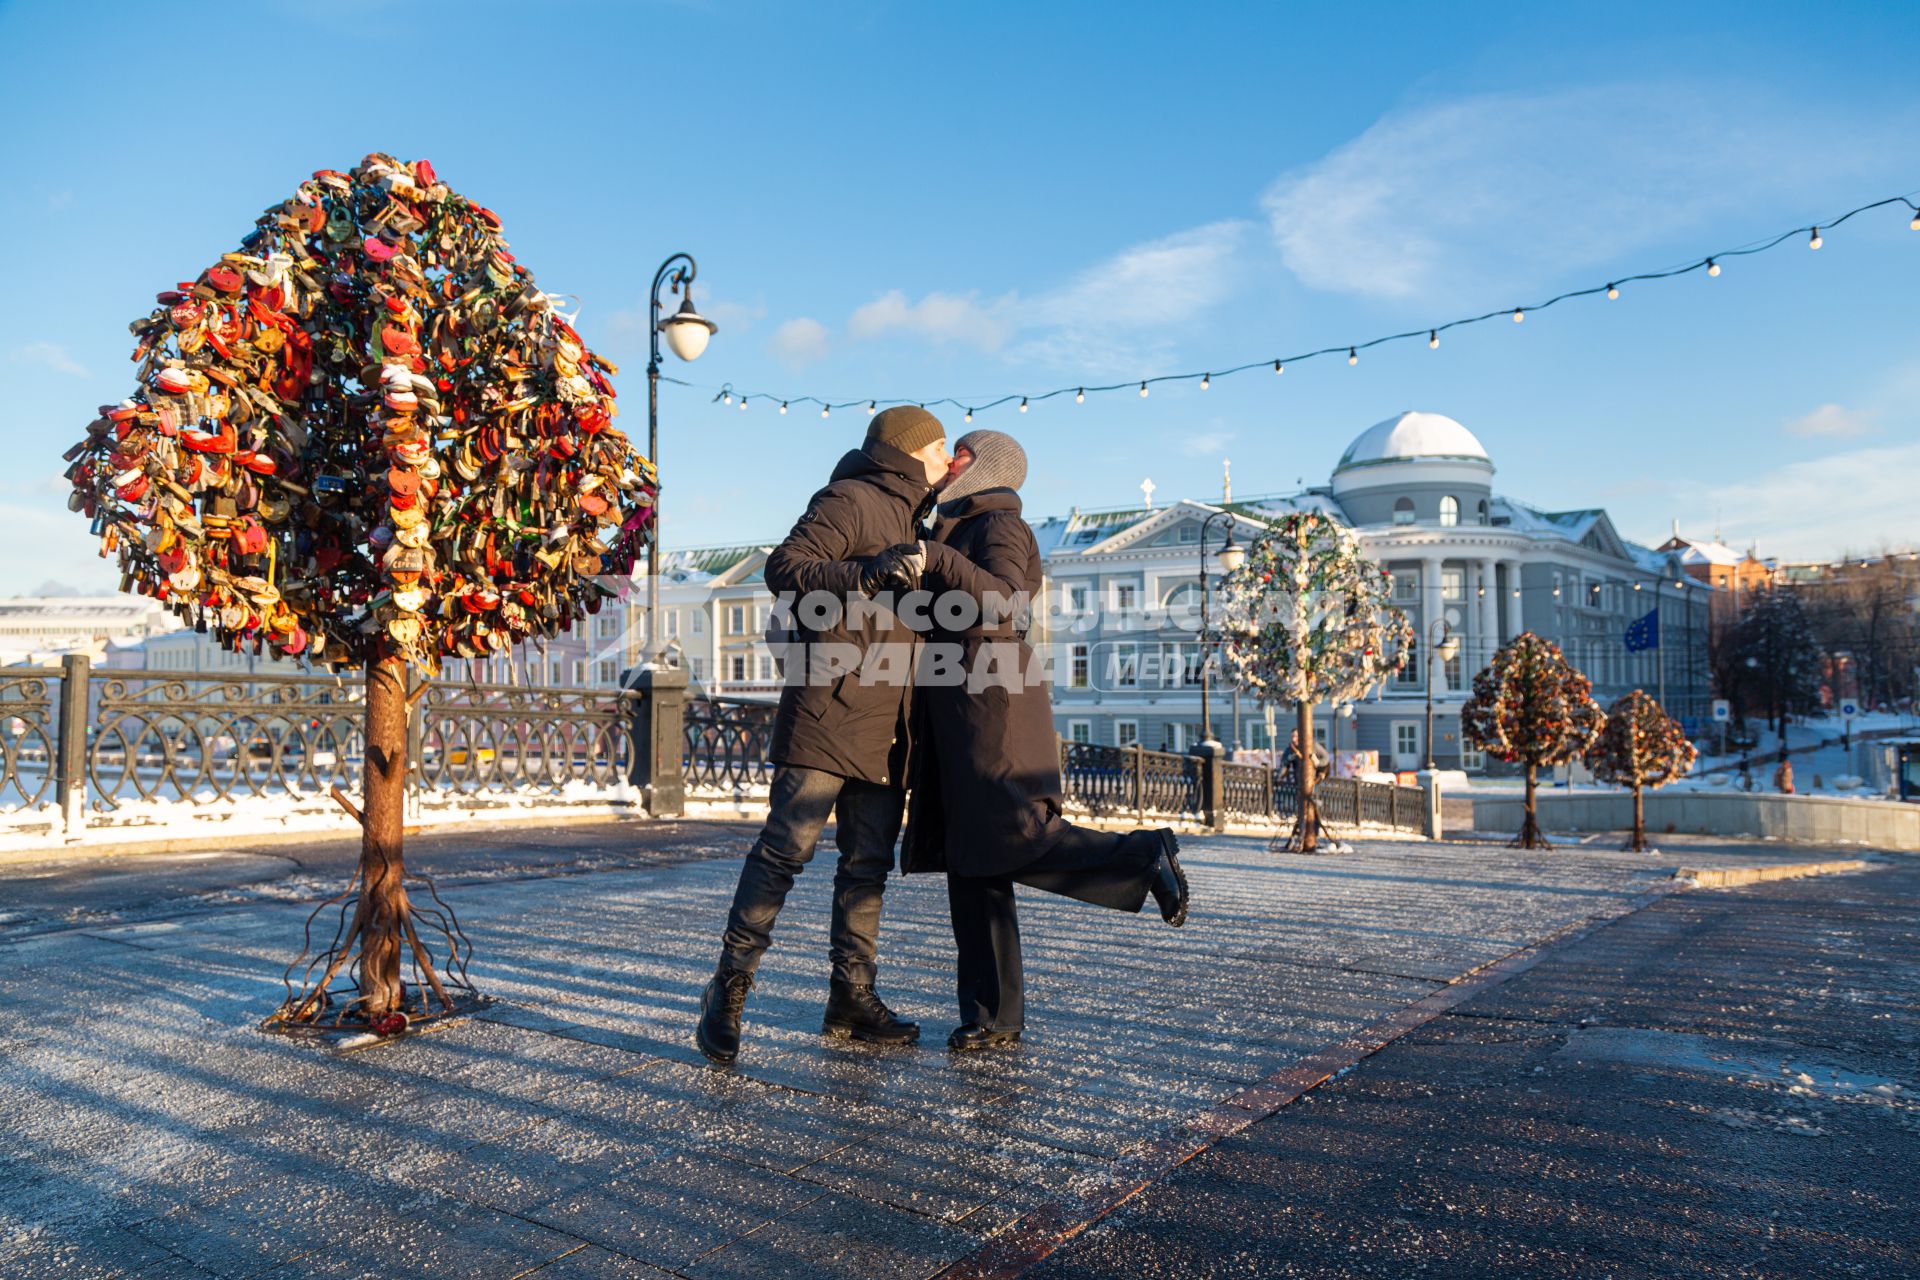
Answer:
(1433, 339)
(783, 406)
(1023, 404)
(969, 416)
(1613, 291)
(743, 404)
(824, 409)
(870, 407)
(1353, 356)
(1518, 315)
(1814, 241)
(1713, 268)
(1080, 395)
(726, 397)
(1206, 380)
(1915, 224)
(1143, 391)
(1278, 368)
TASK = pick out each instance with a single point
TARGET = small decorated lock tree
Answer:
(366, 440)
(1531, 706)
(1642, 746)
(1306, 619)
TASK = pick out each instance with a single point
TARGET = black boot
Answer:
(1169, 882)
(853, 1009)
(974, 1036)
(721, 1004)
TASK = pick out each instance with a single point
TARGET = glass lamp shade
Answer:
(1449, 647)
(1231, 556)
(687, 331)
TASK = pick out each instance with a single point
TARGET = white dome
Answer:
(1413, 437)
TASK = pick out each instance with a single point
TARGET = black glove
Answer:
(895, 569)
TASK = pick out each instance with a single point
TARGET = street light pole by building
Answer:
(1444, 649)
(1230, 557)
(687, 332)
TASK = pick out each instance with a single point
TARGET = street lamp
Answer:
(1231, 556)
(1444, 649)
(687, 332)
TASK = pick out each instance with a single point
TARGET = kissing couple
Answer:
(909, 580)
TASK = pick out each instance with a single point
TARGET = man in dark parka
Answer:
(987, 797)
(840, 736)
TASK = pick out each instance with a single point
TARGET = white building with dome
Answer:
(1417, 489)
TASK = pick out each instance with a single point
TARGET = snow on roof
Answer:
(1413, 436)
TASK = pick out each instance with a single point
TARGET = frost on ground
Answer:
(143, 1121)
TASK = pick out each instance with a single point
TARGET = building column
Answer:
(1433, 607)
(1514, 603)
(1489, 637)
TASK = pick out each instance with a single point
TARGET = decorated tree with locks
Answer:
(1531, 706)
(1306, 619)
(365, 440)
(1640, 747)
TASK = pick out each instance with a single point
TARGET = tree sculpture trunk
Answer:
(1530, 822)
(1309, 828)
(383, 893)
(1638, 843)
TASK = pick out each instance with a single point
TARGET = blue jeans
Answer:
(868, 825)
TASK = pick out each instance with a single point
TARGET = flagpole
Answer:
(1660, 642)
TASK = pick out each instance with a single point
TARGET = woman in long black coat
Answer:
(986, 794)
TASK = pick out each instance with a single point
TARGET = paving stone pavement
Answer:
(572, 1131)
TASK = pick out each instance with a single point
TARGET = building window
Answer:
(1126, 733)
(1123, 666)
(673, 622)
(1079, 731)
(1406, 584)
(699, 665)
(1126, 596)
(1449, 511)
(736, 620)
(1409, 675)
(1406, 740)
(1189, 533)
(1452, 666)
(1403, 510)
(1482, 509)
(605, 672)
(1472, 759)
(579, 670)
(1453, 584)
(1076, 599)
(1077, 670)
(603, 625)
(699, 622)
(766, 666)
(739, 668)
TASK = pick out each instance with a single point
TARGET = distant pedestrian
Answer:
(1783, 776)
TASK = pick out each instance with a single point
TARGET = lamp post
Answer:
(1230, 557)
(1444, 649)
(687, 332)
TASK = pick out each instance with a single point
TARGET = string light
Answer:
(825, 410)
(871, 404)
(1815, 237)
(743, 404)
(726, 397)
(1023, 404)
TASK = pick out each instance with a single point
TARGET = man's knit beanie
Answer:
(906, 427)
(998, 463)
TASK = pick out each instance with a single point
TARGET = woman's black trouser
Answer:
(1102, 867)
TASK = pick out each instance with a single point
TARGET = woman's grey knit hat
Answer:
(998, 463)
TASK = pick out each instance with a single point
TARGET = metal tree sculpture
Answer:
(1307, 618)
(1530, 705)
(366, 440)
(1642, 746)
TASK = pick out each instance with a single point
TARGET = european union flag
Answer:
(1644, 633)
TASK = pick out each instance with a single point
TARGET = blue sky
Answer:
(905, 200)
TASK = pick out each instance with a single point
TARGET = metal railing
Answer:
(727, 740)
(499, 738)
(29, 736)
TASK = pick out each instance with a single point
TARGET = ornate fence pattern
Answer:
(29, 738)
(500, 738)
(727, 740)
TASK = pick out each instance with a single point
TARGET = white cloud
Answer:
(1833, 420)
(1820, 507)
(939, 317)
(1513, 190)
(48, 355)
(799, 342)
(1114, 312)
(1206, 443)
